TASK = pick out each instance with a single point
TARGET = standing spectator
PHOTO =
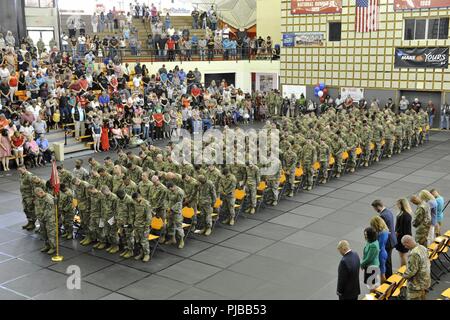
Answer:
(79, 117)
(431, 110)
(195, 16)
(5, 149)
(39, 126)
(171, 49)
(440, 204)
(370, 262)
(167, 23)
(445, 116)
(96, 131)
(382, 231)
(94, 22)
(110, 21)
(416, 105)
(404, 104)
(101, 22)
(65, 42)
(202, 45)
(71, 27)
(388, 218)
(403, 227)
(428, 198)
(348, 273)
(422, 220)
(418, 270)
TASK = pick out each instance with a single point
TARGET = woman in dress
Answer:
(380, 227)
(105, 136)
(5, 149)
(403, 227)
(17, 142)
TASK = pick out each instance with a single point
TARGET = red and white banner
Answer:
(420, 4)
(316, 6)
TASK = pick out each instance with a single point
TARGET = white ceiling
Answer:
(237, 13)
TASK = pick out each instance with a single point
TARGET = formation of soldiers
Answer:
(113, 203)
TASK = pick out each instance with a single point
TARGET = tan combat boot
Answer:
(171, 241)
(128, 254)
(101, 246)
(232, 222)
(139, 256)
(114, 249)
(181, 244)
(208, 232)
(146, 258)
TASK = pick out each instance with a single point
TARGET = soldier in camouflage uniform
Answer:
(378, 136)
(309, 157)
(389, 136)
(289, 165)
(324, 159)
(66, 210)
(418, 270)
(273, 181)
(104, 179)
(134, 172)
(227, 186)
(94, 178)
(125, 222)
(174, 216)
(117, 178)
(93, 164)
(108, 164)
(251, 182)
(79, 171)
(142, 216)
(109, 212)
(206, 199)
(159, 164)
(366, 138)
(145, 186)
(80, 188)
(134, 159)
(190, 187)
(128, 185)
(158, 202)
(96, 223)
(65, 176)
(339, 148)
(421, 220)
(352, 143)
(26, 190)
(45, 212)
(214, 175)
(399, 136)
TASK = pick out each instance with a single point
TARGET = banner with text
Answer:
(315, 6)
(420, 4)
(303, 39)
(435, 58)
(356, 94)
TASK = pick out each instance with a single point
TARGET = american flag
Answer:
(366, 15)
(54, 179)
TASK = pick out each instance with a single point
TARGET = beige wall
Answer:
(43, 17)
(360, 59)
(243, 69)
(268, 17)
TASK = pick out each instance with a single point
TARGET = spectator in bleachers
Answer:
(17, 143)
(44, 148)
(5, 148)
(31, 148)
(195, 18)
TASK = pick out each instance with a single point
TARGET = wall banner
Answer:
(435, 58)
(316, 6)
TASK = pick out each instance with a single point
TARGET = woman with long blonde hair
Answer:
(427, 197)
(403, 227)
(382, 230)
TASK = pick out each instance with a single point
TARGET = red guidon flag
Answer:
(54, 178)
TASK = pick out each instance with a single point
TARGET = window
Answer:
(422, 29)
(334, 31)
(40, 3)
(44, 33)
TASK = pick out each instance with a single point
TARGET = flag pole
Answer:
(57, 258)
(55, 182)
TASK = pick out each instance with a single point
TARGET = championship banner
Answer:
(303, 39)
(356, 94)
(315, 6)
(420, 4)
(435, 58)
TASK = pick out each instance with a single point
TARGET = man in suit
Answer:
(388, 218)
(348, 273)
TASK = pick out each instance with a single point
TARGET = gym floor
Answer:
(283, 252)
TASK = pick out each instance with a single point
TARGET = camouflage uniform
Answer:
(145, 189)
(135, 173)
(422, 223)
(109, 213)
(124, 221)
(227, 187)
(252, 179)
(324, 160)
(96, 223)
(309, 157)
(65, 207)
(206, 200)
(27, 192)
(378, 135)
(45, 212)
(175, 218)
(141, 219)
(366, 139)
(273, 182)
(82, 197)
(418, 273)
